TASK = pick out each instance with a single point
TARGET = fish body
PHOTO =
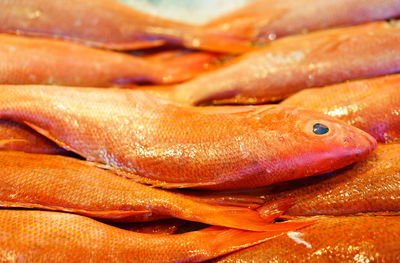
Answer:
(66, 184)
(169, 145)
(294, 63)
(18, 137)
(371, 185)
(106, 24)
(38, 236)
(262, 21)
(27, 60)
(372, 105)
(330, 239)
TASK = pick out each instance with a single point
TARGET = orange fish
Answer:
(290, 64)
(372, 105)
(18, 137)
(371, 185)
(261, 21)
(330, 239)
(67, 184)
(28, 60)
(39, 236)
(106, 24)
(157, 142)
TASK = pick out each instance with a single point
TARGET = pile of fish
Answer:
(269, 134)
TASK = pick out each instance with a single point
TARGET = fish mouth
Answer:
(364, 142)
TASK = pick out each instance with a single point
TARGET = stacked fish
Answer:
(107, 155)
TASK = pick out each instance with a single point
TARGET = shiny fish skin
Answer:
(331, 239)
(372, 105)
(100, 23)
(261, 21)
(38, 236)
(290, 64)
(169, 145)
(27, 60)
(67, 184)
(372, 185)
(17, 137)
(106, 24)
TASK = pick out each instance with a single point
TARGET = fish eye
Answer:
(320, 129)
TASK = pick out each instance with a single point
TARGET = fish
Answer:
(262, 21)
(372, 105)
(291, 64)
(18, 137)
(107, 24)
(42, 236)
(27, 60)
(157, 142)
(330, 239)
(60, 183)
(369, 186)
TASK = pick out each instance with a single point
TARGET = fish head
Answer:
(322, 143)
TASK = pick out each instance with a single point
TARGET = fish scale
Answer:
(38, 236)
(28, 60)
(298, 62)
(17, 137)
(169, 145)
(330, 239)
(61, 183)
(371, 185)
(372, 105)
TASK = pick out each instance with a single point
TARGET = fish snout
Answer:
(362, 142)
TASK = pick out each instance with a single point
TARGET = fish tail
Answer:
(228, 240)
(235, 35)
(276, 208)
(239, 217)
(183, 67)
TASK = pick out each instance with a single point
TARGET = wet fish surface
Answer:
(294, 63)
(164, 144)
(372, 185)
(18, 137)
(27, 60)
(61, 183)
(331, 239)
(39, 236)
(373, 105)
(262, 21)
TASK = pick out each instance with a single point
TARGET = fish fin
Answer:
(4, 142)
(188, 66)
(276, 208)
(242, 218)
(105, 214)
(130, 46)
(237, 35)
(226, 240)
(52, 138)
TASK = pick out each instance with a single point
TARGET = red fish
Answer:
(261, 21)
(290, 64)
(155, 141)
(67, 184)
(107, 24)
(372, 105)
(371, 185)
(17, 137)
(41, 61)
(330, 239)
(38, 236)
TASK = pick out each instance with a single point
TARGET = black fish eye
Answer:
(320, 129)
